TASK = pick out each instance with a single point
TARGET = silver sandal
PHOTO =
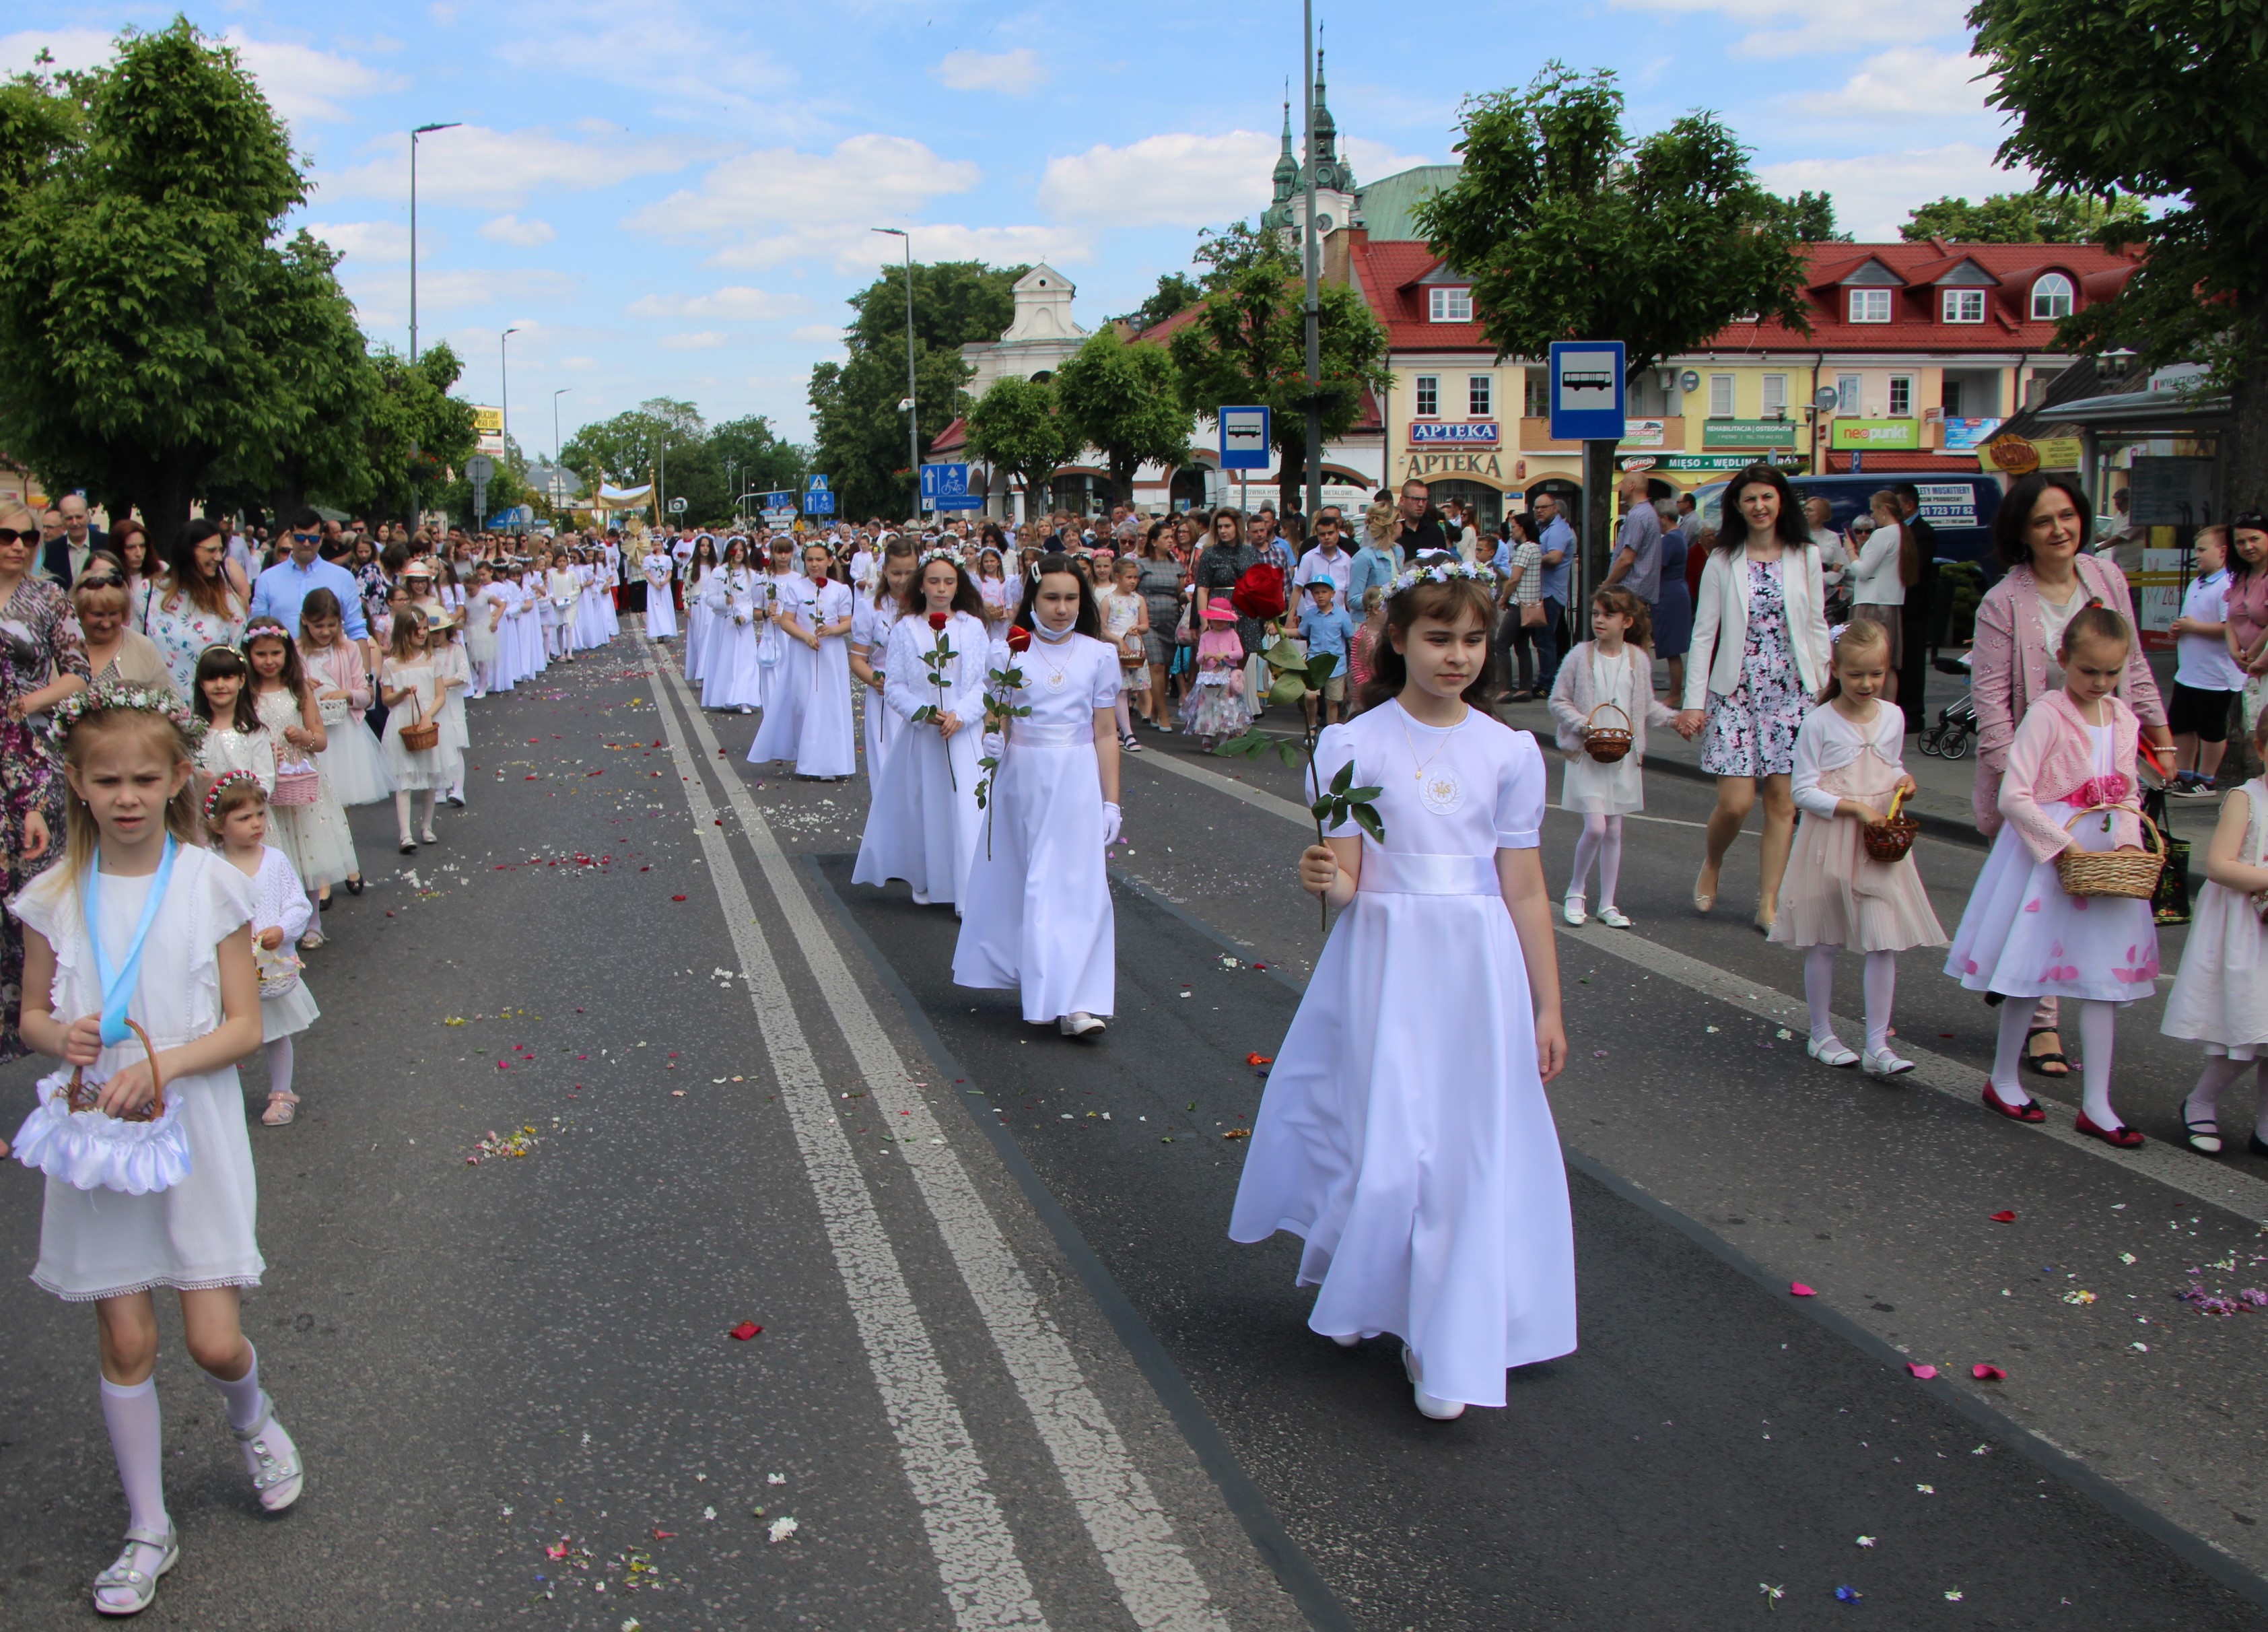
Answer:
(277, 1473)
(140, 1585)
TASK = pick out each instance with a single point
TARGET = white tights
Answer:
(2097, 1026)
(2203, 1103)
(1881, 987)
(279, 1055)
(424, 812)
(1601, 841)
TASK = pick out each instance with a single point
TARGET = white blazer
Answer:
(1720, 623)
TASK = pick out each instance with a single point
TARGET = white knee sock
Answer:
(1610, 861)
(279, 1065)
(242, 1395)
(2097, 1023)
(2203, 1103)
(138, 1440)
(1881, 989)
(402, 812)
(1589, 848)
(1819, 989)
(2015, 1019)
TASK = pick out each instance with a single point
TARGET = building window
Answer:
(1901, 397)
(1450, 306)
(1538, 394)
(1775, 397)
(1480, 395)
(1429, 396)
(1846, 393)
(1949, 399)
(1964, 306)
(1870, 305)
(1721, 396)
(2051, 297)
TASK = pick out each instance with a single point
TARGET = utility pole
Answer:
(504, 376)
(413, 135)
(1313, 313)
(555, 396)
(913, 409)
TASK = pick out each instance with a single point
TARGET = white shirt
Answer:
(1875, 577)
(1827, 742)
(1338, 567)
(2203, 663)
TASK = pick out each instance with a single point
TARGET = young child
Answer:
(1217, 708)
(411, 688)
(2021, 936)
(454, 674)
(734, 600)
(1039, 919)
(314, 835)
(172, 922)
(2220, 996)
(660, 611)
(235, 739)
(1328, 630)
(1612, 670)
(807, 706)
(1849, 766)
(236, 816)
(484, 611)
(350, 757)
(1125, 622)
(876, 614)
(699, 568)
(1363, 653)
(923, 825)
(1404, 1132)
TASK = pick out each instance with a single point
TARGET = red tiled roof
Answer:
(952, 437)
(1387, 272)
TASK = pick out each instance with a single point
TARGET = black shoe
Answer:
(354, 886)
(2257, 1145)
(323, 904)
(408, 848)
(455, 802)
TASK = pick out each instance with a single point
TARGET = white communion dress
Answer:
(1404, 1133)
(2220, 996)
(1038, 916)
(734, 600)
(826, 745)
(660, 611)
(871, 622)
(923, 825)
(278, 903)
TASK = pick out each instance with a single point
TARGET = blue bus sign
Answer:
(1586, 390)
(1245, 442)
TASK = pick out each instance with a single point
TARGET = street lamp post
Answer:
(504, 372)
(555, 396)
(413, 135)
(913, 408)
(1313, 313)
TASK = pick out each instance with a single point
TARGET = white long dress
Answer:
(660, 611)
(923, 825)
(316, 837)
(697, 628)
(413, 771)
(787, 680)
(871, 622)
(350, 758)
(1404, 1133)
(2220, 996)
(201, 1232)
(279, 903)
(481, 641)
(826, 744)
(729, 673)
(1038, 916)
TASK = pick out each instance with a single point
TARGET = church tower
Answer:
(1336, 196)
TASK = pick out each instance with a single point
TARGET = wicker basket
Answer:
(1606, 743)
(298, 785)
(81, 1097)
(2132, 874)
(423, 736)
(1889, 840)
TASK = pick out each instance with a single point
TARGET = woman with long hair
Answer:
(201, 607)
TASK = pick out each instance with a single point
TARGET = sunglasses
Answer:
(306, 538)
(16, 536)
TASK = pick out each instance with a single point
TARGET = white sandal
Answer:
(140, 1586)
(1833, 1051)
(277, 1473)
(1428, 1404)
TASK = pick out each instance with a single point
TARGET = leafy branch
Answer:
(1342, 801)
(1001, 684)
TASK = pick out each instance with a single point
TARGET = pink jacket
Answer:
(2053, 759)
(1572, 700)
(2009, 670)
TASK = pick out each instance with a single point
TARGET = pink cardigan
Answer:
(2053, 757)
(2009, 670)
(1572, 699)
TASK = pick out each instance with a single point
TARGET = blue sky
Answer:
(670, 198)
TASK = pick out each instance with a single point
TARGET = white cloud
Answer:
(866, 179)
(476, 164)
(707, 340)
(737, 301)
(70, 48)
(510, 229)
(852, 248)
(667, 52)
(1905, 83)
(384, 302)
(366, 240)
(1798, 28)
(1874, 193)
(1373, 159)
(1174, 180)
(1011, 73)
(306, 85)
(821, 333)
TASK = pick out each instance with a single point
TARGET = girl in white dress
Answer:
(660, 611)
(2220, 996)
(483, 611)
(141, 921)
(454, 676)
(992, 584)
(1038, 918)
(825, 746)
(1611, 671)
(411, 688)
(734, 598)
(1404, 1132)
(527, 616)
(1849, 769)
(922, 825)
(590, 624)
(698, 625)
(235, 739)
(872, 619)
(2069, 783)
(236, 815)
(350, 759)
(563, 592)
(315, 835)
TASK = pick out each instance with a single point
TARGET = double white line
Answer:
(983, 1579)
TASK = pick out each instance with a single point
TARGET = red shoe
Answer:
(2124, 1137)
(2029, 1112)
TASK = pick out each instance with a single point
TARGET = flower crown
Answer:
(1438, 572)
(104, 696)
(928, 556)
(228, 778)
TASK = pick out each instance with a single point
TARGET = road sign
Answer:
(780, 521)
(1244, 437)
(480, 468)
(769, 502)
(818, 501)
(945, 487)
(814, 482)
(677, 505)
(1586, 390)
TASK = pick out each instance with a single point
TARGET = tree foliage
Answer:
(1810, 218)
(2168, 100)
(2043, 215)
(1125, 401)
(1177, 292)
(1016, 427)
(707, 466)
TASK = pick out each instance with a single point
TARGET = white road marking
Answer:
(983, 1580)
(1161, 1588)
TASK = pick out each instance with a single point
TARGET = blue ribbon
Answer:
(118, 986)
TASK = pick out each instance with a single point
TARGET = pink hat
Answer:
(1219, 612)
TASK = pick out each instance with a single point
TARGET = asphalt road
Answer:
(1013, 1373)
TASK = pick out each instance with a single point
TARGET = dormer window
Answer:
(1449, 305)
(1870, 305)
(2051, 298)
(1964, 306)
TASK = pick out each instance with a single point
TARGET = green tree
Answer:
(861, 432)
(2169, 102)
(1570, 229)
(1015, 425)
(150, 320)
(1125, 401)
(414, 433)
(1177, 292)
(1810, 218)
(751, 458)
(2043, 215)
(954, 303)
(1249, 345)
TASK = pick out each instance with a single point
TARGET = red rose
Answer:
(938, 620)
(1018, 638)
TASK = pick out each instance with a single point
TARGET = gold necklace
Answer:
(1056, 669)
(1418, 775)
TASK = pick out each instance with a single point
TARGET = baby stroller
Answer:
(1956, 730)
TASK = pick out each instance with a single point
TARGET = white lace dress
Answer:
(278, 903)
(316, 837)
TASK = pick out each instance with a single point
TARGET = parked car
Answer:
(1958, 505)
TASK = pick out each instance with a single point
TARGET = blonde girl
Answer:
(314, 835)
(409, 686)
(1611, 671)
(453, 673)
(2220, 996)
(236, 818)
(141, 922)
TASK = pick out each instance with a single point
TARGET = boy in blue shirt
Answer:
(1326, 628)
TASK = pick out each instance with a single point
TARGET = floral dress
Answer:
(1752, 732)
(40, 642)
(183, 629)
